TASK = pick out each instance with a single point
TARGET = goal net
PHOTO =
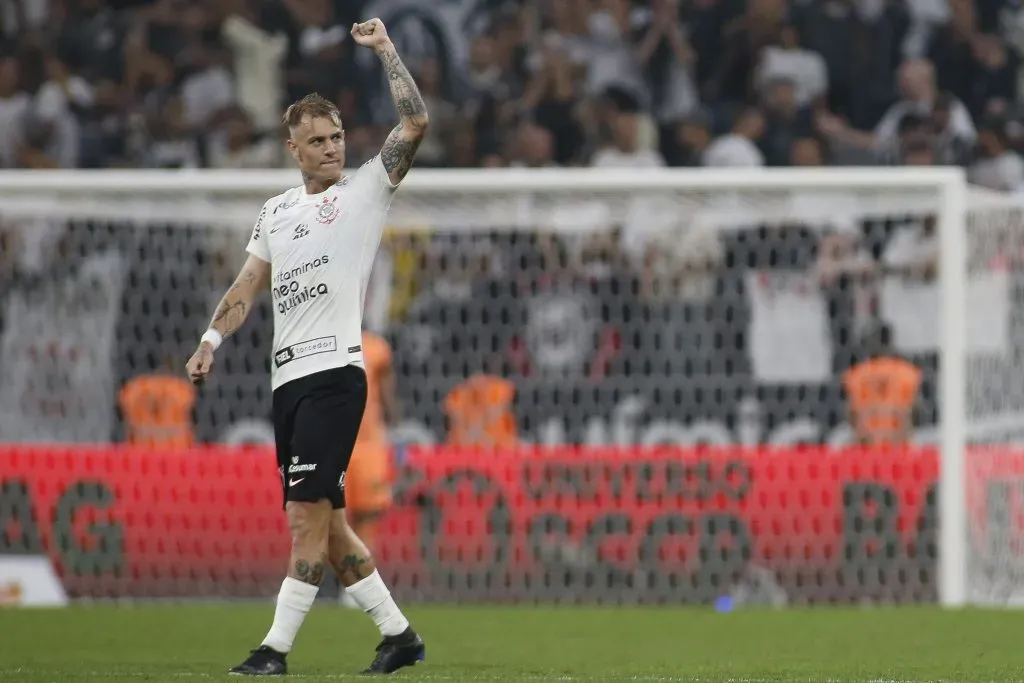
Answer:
(614, 386)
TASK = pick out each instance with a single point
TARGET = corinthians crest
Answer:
(328, 210)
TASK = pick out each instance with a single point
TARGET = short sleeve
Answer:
(374, 178)
(258, 245)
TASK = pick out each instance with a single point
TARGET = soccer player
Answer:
(315, 246)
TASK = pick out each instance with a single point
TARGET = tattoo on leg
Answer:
(353, 568)
(307, 573)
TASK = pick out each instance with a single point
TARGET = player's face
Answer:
(318, 146)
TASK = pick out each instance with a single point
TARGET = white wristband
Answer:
(212, 337)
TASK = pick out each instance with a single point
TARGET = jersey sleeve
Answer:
(258, 245)
(374, 178)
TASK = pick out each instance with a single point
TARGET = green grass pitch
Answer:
(188, 642)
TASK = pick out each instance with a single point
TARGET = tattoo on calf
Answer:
(353, 568)
(309, 573)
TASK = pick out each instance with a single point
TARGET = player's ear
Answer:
(292, 148)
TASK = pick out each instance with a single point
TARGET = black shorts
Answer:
(316, 421)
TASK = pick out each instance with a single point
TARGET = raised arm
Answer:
(400, 148)
(231, 312)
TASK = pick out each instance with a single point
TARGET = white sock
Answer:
(373, 597)
(293, 604)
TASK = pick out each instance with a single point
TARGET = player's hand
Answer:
(370, 33)
(199, 365)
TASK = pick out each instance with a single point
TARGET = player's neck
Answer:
(318, 185)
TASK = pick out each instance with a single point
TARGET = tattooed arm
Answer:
(235, 306)
(400, 147)
(231, 312)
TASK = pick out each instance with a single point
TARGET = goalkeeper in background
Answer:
(369, 477)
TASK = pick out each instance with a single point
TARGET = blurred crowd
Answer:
(201, 83)
(654, 317)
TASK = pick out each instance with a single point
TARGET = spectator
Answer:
(13, 105)
(785, 121)
(443, 113)
(738, 148)
(747, 36)
(95, 33)
(551, 99)
(258, 64)
(919, 96)
(918, 153)
(237, 145)
(997, 166)
(788, 61)
(462, 147)
(173, 146)
(611, 61)
(321, 58)
(534, 147)
(954, 147)
(105, 137)
(861, 43)
(994, 77)
(55, 110)
(950, 49)
(207, 88)
(24, 16)
(665, 56)
(690, 138)
(625, 147)
(807, 151)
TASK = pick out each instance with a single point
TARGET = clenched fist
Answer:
(199, 365)
(370, 33)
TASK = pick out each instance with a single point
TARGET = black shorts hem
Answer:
(337, 501)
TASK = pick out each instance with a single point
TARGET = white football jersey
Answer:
(321, 248)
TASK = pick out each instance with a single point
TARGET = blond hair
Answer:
(313, 105)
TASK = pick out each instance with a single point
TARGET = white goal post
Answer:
(577, 202)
